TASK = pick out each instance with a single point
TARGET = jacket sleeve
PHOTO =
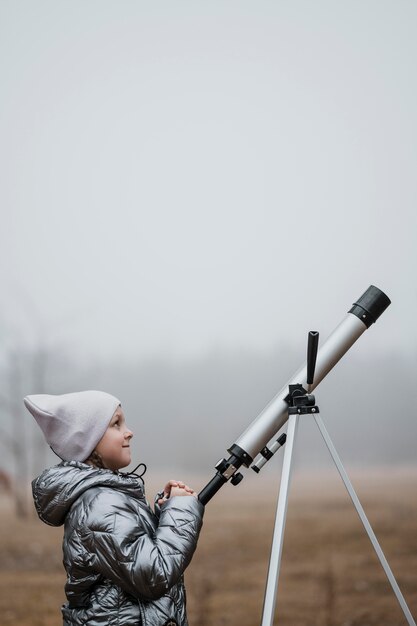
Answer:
(124, 548)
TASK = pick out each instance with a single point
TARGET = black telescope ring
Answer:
(370, 306)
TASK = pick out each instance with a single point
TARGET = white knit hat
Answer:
(73, 423)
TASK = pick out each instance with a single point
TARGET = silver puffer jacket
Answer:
(124, 563)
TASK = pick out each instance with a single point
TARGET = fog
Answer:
(185, 414)
(187, 190)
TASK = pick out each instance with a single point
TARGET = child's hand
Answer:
(176, 488)
(182, 491)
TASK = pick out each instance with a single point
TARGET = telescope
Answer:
(253, 442)
(294, 400)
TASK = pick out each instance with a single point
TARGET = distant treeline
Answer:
(186, 413)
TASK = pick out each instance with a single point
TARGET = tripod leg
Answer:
(279, 528)
(365, 521)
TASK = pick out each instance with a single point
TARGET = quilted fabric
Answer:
(124, 562)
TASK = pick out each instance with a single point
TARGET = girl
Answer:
(124, 562)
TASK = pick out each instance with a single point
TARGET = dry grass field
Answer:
(330, 574)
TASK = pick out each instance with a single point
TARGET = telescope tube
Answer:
(364, 312)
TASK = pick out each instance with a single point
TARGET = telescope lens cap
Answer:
(370, 305)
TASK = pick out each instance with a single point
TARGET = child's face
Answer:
(114, 446)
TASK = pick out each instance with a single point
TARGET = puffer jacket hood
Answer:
(58, 487)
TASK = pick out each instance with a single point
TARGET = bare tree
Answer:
(15, 441)
(39, 372)
(29, 338)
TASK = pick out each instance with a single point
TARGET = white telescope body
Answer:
(364, 312)
(275, 414)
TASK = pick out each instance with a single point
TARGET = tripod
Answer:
(302, 403)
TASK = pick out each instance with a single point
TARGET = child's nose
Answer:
(128, 434)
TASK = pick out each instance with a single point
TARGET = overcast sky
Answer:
(182, 177)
